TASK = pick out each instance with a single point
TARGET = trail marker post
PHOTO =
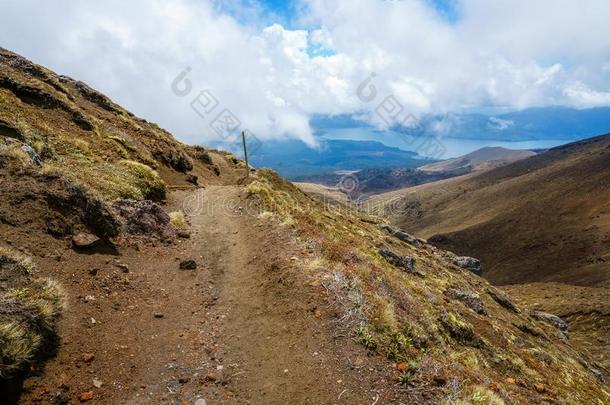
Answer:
(243, 139)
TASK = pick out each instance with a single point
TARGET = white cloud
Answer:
(499, 123)
(578, 93)
(505, 53)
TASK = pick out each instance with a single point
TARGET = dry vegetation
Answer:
(444, 347)
(29, 310)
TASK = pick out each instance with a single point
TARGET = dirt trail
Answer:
(244, 327)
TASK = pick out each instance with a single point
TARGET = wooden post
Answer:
(243, 139)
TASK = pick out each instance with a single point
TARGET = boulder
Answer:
(553, 320)
(503, 299)
(467, 263)
(468, 298)
(405, 262)
(403, 236)
(84, 240)
(144, 218)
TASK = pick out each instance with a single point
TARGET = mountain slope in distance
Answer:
(479, 160)
(545, 218)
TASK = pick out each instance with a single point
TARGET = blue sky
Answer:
(286, 11)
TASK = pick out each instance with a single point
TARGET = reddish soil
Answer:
(244, 327)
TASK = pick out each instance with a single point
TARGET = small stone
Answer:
(440, 380)
(403, 366)
(510, 380)
(89, 298)
(86, 396)
(192, 179)
(88, 357)
(183, 234)
(200, 401)
(123, 267)
(97, 383)
(210, 377)
(540, 388)
(61, 396)
(84, 240)
(188, 265)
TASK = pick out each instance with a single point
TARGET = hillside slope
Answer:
(249, 292)
(545, 218)
(479, 160)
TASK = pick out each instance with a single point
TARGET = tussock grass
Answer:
(178, 219)
(409, 319)
(13, 152)
(29, 310)
(124, 179)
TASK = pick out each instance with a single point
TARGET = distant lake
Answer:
(455, 146)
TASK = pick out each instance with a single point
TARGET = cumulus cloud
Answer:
(505, 53)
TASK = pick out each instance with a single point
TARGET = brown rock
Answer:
(188, 265)
(540, 388)
(210, 377)
(84, 240)
(181, 233)
(510, 380)
(86, 396)
(88, 357)
(440, 380)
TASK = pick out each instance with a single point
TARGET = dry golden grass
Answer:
(408, 318)
(29, 310)
(178, 219)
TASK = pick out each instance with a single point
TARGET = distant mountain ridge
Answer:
(379, 180)
(541, 219)
(294, 159)
(481, 159)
